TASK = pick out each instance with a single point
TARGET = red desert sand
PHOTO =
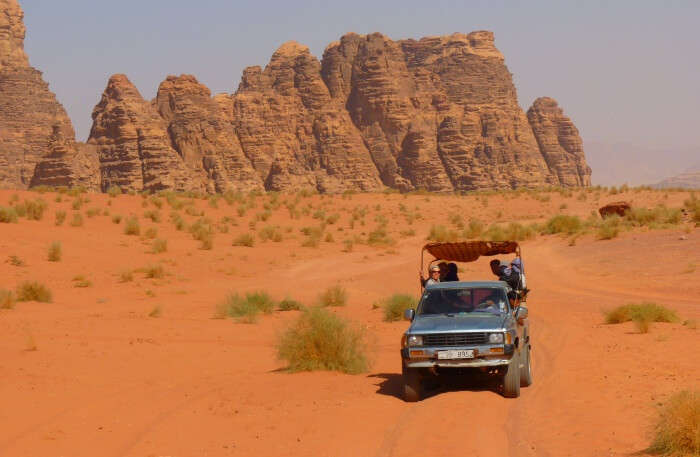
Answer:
(92, 374)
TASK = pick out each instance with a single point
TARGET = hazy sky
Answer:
(624, 71)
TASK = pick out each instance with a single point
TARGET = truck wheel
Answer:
(511, 380)
(412, 385)
(526, 369)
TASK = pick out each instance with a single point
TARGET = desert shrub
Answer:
(313, 236)
(474, 229)
(203, 231)
(157, 202)
(332, 219)
(320, 340)
(157, 311)
(653, 217)
(270, 232)
(333, 296)
(113, 191)
(154, 271)
(440, 233)
(77, 220)
(33, 291)
(677, 431)
(245, 308)
(609, 228)
(151, 233)
(117, 219)
(379, 237)
(81, 281)
(15, 261)
(7, 299)
(60, 217)
(348, 245)
(395, 305)
(77, 203)
(92, 212)
(693, 206)
(32, 210)
(132, 227)
(159, 245)
(562, 223)
(8, 215)
(289, 305)
(126, 276)
(153, 215)
(244, 239)
(55, 252)
(642, 314)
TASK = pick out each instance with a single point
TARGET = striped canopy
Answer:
(469, 251)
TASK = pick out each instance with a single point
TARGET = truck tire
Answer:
(526, 369)
(511, 379)
(412, 384)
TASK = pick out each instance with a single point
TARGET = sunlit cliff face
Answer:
(12, 31)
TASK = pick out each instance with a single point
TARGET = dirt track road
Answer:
(105, 380)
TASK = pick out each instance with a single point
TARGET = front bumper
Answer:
(484, 357)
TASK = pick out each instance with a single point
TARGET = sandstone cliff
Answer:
(439, 113)
(33, 125)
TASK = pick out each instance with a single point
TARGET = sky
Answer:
(626, 72)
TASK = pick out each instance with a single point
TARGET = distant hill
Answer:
(689, 179)
(624, 163)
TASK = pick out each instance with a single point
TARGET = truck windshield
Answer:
(472, 300)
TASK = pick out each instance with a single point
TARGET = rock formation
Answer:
(439, 113)
(32, 122)
(559, 143)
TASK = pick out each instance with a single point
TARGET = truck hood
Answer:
(457, 323)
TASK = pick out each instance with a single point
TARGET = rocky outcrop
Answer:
(294, 133)
(439, 113)
(559, 142)
(201, 131)
(31, 119)
(132, 142)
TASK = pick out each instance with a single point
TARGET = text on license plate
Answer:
(456, 354)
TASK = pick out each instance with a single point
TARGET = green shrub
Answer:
(379, 237)
(154, 271)
(33, 291)
(609, 228)
(77, 220)
(60, 217)
(34, 210)
(132, 227)
(693, 207)
(55, 252)
(203, 231)
(395, 306)
(113, 191)
(653, 217)
(245, 308)
(159, 245)
(642, 314)
(7, 299)
(474, 229)
(320, 340)
(244, 239)
(8, 215)
(562, 223)
(289, 305)
(442, 234)
(334, 296)
(677, 431)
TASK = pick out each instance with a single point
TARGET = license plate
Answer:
(456, 354)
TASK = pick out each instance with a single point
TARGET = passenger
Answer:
(443, 270)
(513, 300)
(433, 279)
(451, 272)
(496, 267)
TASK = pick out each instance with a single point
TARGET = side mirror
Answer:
(521, 314)
(409, 314)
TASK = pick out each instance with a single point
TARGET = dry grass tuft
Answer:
(643, 315)
(245, 308)
(395, 305)
(132, 227)
(157, 311)
(77, 220)
(33, 291)
(60, 217)
(244, 239)
(320, 340)
(55, 252)
(289, 304)
(7, 299)
(678, 428)
(334, 296)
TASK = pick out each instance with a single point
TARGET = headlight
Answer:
(496, 338)
(415, 340)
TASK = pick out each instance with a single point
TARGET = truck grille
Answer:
(455, 339)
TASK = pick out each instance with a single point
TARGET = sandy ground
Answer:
(93, 374)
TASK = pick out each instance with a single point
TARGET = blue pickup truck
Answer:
(460, 326)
